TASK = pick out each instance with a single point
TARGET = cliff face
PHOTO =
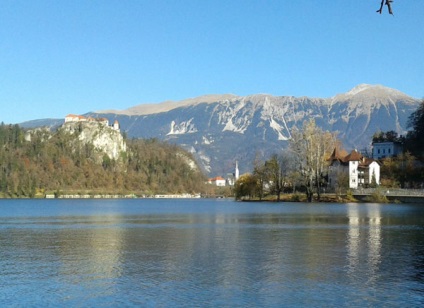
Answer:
(105, 139)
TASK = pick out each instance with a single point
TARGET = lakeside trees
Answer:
(304, 166)
(311, 147)
(246, 186)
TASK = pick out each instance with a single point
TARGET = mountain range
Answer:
(222, 129)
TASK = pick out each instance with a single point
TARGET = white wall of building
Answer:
(374, 169)
(353, 174)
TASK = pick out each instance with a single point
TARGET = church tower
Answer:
(237, 173)
(116, 125)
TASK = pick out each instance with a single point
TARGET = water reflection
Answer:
(238, 255)
(353, 237)
(364, 241)
(374, 240)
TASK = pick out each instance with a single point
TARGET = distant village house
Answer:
(386, 149)
(230, 179)
(218, 181)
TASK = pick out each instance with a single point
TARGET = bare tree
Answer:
(274, 174)
(311, 148)
(260, 173)
(389, 6)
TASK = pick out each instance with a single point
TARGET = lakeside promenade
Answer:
(397, 194)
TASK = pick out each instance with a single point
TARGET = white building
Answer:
(386, 149)
(218, 181)
(361, 171)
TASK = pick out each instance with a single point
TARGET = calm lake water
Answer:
(203, 253)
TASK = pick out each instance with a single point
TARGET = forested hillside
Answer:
(42, 162)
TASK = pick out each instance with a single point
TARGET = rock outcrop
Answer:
(105, 139)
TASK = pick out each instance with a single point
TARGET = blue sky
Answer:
(60, 57)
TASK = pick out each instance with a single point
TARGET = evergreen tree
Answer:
(415, 137)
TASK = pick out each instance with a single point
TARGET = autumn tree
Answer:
(311, 147)
(260, 173)
(401, 171)
(246, 186)
(278, 172)
(273, 171)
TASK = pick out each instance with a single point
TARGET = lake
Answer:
(209, 253)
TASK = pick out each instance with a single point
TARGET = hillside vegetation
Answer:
(40, 162)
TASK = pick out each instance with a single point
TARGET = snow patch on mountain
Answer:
(236, 117)
(206, 140)
(184, 127)
(278, 128)
(358, 89)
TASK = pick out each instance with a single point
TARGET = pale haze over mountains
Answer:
(220, 129)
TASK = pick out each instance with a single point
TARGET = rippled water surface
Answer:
(160, 253)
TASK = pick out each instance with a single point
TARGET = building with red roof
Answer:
(218, 181)
(361, 171)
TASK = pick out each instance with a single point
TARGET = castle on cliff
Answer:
(103, 121)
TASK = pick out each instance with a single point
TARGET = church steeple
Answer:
(237, 174)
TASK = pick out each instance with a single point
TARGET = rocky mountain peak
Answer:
(367, 92)
(360, 88)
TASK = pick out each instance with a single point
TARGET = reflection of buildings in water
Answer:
(373, 243)
(353, 237)
(235, 242)
(207, 245)
(374, 238)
